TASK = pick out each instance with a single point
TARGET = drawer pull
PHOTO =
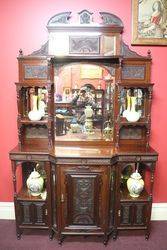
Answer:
(62, 198)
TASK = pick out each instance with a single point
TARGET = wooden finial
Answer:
(20, 52)
(149, 53)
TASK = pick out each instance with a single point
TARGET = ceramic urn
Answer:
(135, 184)
(35, 183)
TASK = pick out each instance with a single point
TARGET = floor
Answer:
(39, 240)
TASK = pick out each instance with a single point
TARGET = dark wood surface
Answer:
(84, 151)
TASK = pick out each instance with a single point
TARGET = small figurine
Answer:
(107, 131)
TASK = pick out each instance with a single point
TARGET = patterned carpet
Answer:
(39, 240)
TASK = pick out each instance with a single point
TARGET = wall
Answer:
(22, 25)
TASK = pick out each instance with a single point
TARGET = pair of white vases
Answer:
(130, 113)
(37, 112)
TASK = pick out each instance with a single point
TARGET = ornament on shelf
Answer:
(35, 114)
(130, 113)
(135, 184)
(88, 122)
(41, 102)
(107, 131)
(133, 115)
(128, 105)
(35, 183)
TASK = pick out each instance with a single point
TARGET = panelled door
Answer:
(84, 200)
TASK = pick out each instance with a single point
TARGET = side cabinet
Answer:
(83, 203)
(134, 212)
(33, 212)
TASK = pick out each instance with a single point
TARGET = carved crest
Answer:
(109, 18)
(60, 18)
(85, 17)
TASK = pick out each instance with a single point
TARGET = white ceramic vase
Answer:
(42, 107)
(135, 184)
(35, 114)
(133, 115)
(88, 111)
(125, 112)
(35, 183)
(88, 122)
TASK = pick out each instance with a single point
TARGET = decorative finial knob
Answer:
(20, 52)
(149, 53)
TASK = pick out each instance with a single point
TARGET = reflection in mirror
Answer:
(84, 97)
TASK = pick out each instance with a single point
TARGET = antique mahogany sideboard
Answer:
(85, 172)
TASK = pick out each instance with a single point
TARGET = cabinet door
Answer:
(126, 214)
(133, 214)
(84, 198)
(140, 214)
(32, 213)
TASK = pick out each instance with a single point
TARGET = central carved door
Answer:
(84, 199)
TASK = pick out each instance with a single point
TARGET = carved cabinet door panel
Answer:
(32, 213)
(133, 214)
(140, 214)
(84, 198)
(126, 214)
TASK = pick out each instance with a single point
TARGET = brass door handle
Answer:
(62, 198)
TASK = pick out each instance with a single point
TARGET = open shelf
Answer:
(25, 195)
(135, 85)
(27, 121)
(125, 196)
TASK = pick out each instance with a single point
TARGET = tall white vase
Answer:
(34, 114)
(128, 106)
(133, 115)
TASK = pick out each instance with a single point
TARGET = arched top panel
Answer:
(85, 17)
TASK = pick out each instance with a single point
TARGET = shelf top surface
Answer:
(84, 151)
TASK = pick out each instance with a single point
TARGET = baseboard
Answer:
(159, 211)
(7, 210)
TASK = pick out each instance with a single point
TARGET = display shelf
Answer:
(134, 85)
(141, 122)
(88, 58)
(25, 195)
(31, 84)
(125, 196)
(27, 121)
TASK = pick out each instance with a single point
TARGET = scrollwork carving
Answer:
(60, 18)
(83, 202)
(109, 18)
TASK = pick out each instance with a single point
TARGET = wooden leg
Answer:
(147, 235)
(51, 233)
(105, 240)
(18, 234)
(60, 239)
(114, 234)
